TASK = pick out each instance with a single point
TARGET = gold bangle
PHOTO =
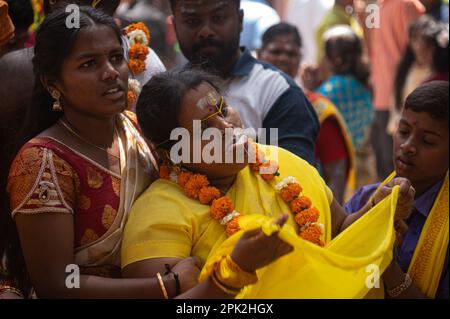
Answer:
(222, 287)
(230, 274)
(11, 289)
(163, 287)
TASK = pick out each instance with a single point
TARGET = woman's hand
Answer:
(188, 270)
(255, 250)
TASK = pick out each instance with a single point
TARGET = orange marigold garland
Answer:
(184, 177)
(305, 215)
(194, 185)
(222, 209)
(290, 192)
(312, 234)
(232, 226)
(299, 204)
(208, 194)
(139, 38)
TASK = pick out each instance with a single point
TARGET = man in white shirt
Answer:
(208, 33)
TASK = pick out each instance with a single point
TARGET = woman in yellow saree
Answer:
(167, 223)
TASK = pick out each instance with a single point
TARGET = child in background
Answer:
(349, 89)
(426, 59)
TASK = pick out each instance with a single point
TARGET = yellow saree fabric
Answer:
(343, 269)
(165, 223)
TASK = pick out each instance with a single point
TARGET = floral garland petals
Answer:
(197, 186)
(221, 207)
(139, 38)
(208, 194)
(305, 215)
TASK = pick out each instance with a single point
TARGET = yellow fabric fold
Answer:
(164, 213)
(428, 260)
(429, 256)
(341, 269)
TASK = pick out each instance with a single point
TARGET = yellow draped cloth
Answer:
(166, 223)
(428, 259)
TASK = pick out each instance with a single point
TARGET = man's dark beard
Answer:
(213, 64)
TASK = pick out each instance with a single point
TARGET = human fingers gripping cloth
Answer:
(343, 269)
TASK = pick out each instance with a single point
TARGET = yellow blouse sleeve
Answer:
(160, 225)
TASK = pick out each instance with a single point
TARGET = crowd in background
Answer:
(355, 61)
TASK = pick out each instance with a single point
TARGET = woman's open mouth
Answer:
(114, 94)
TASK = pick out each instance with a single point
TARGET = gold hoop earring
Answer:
(57, 104)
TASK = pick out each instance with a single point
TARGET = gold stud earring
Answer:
(57, 104)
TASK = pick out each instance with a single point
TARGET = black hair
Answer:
(54, 42)
(281, 29)
(173, 4)
(21, 13)
(344, 49)
(431, 98)
(429, 30)
(160, 99)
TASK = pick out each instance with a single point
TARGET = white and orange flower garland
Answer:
(138, 36)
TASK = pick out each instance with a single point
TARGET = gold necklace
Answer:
(71, 130)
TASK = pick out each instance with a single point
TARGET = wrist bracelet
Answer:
(222, 287)
(11, 289)
(163, 287)
(397, 291)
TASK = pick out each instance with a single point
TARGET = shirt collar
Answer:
(244, 65)
(425, 202)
